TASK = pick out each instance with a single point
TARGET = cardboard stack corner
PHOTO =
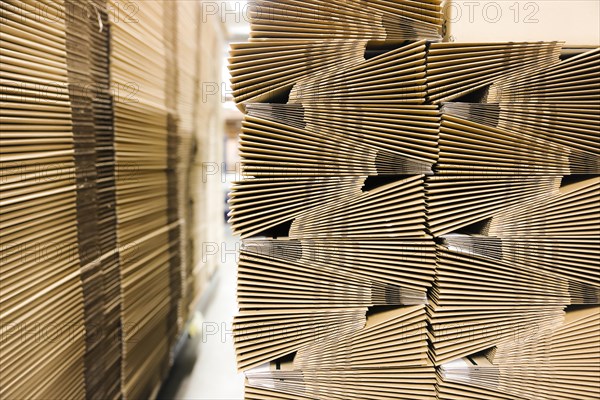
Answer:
(419, 218)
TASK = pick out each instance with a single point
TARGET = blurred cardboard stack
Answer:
(207, 169)
(102, 122)
(386, 175)
(43, 342)
(139, 70)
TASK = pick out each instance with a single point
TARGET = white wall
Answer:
(575, 21)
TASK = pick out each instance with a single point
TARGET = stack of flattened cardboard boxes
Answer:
(42, 309)
(101, 105)
(419, 218)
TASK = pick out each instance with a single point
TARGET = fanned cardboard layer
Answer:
(393, 77)
(317, 19)
(395, 209)
(260, 203)
(391, 339)
(572, 80)
(455, 202)
(264, 279)
(265, 70)
(470, 148)
(263, 335)
(403, 136)
(458, 69)
(555, 234)
(559, 363)
(559, 104)
(404, 266)
(270, 148)
(386, 358)
(414, 383)
(508, 298)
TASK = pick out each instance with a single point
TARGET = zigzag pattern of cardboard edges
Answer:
(394, 77)
(393, 210)
(467, 329)
(465, 321)
(264, 277)
(399, 146)
(317, 19)
(410, 383)
(456, 202)
(572, 125)
(270, 148)
(556, 233)
(265, 282)
(388, 357)
(405, 266)
(553, 359)
(470, 148)
(569, 212)
(264, 71)
(260, 203)
(267, 334)
(404, 130)
(575, 258)
(457, 69)
(497, 281)
(357, 106)
(559, 104)
(391, 339)
(572, 80)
